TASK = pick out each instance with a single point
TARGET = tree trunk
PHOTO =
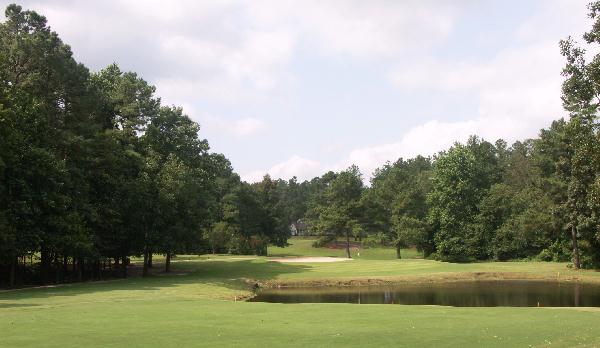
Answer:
(13, 273)
(150, 258)
(576, 262)
(145, 269)
(59, 274)
(44, 265)
(91, 270)
(124, 267)
(65, 267)
(348, 245)
(99, 267)
(80, 266)
(168, 263)
(117, 267)
(398, 255)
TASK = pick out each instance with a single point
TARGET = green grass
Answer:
(195, 307)
(300, 246)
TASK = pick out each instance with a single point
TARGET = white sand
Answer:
(310, 259)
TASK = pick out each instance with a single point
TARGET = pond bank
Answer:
(466, 293)
(421, 279)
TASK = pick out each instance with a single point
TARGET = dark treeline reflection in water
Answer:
(511, 293)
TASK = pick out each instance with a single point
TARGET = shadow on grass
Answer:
(16, 305)
(228, 273)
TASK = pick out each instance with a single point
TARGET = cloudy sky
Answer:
(301, 87)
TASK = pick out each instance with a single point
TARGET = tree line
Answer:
(538, 198)
(95, 169)
(534, 199)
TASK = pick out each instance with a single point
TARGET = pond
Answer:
(511, 293)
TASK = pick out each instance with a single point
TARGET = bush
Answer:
(559, 251)
(452, 250)
(587, 262)
(376, 240)
(323, 241)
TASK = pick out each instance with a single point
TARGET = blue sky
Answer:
(301, 87)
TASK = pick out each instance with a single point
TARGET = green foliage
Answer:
(219, 236)
(518, 222)
(581, 166)
(410, 231)
(92, 167)
(395, 204)
(378, 239)
(339, 208)
(559, 251)
(460, 179)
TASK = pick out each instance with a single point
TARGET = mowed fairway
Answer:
(195, 306)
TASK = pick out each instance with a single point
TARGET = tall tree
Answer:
(581, 98)
(460, 179)
(178, 168)
(45, 115)
(341, 212)
(397, 203)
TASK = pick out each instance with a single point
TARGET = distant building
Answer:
(299, 228)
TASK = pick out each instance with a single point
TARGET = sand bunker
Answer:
(309, 259)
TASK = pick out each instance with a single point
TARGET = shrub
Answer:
(559, 251)
(323, 240)
(377, 239)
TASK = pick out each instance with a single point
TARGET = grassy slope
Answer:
(191, 309)
(303, 247)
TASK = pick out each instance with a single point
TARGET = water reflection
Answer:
(459, 294)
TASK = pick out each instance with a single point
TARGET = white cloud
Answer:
(237, 127)
(247, 126)
(518, 84)
(556, 19)
(237, 52)
(302, 168)
(214, 48)
(236, 49)
(251, 66)
(517, 92)
(426, 139)
(375, 29)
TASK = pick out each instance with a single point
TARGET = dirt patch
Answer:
(418, 279)
(310, 259)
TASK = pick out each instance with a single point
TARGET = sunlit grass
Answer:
(196, 306)
(302, 246)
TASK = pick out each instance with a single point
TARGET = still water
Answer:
(512, 293)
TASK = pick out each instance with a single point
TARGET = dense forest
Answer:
(95, 169)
